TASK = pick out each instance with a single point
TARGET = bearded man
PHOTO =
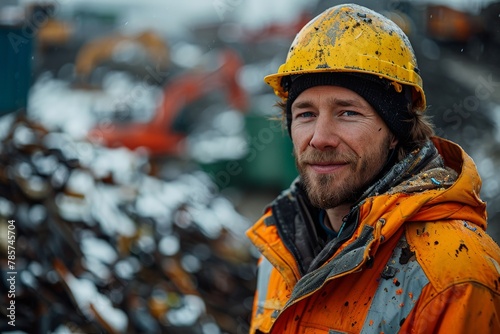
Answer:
(383, 231)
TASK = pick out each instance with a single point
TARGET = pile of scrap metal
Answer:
(104, 247)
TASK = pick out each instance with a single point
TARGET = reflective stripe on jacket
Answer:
(417, 262)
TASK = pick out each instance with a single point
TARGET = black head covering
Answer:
(393, 107)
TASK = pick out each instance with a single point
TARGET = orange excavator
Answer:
(451, 25)
(102, 49)
(159, 135)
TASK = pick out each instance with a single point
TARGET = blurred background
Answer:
(137, 146)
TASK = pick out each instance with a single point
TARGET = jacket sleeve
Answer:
(462, 265)
(462, 308)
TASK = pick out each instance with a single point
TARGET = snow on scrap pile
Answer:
(101, 246)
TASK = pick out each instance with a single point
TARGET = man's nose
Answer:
(325, 134)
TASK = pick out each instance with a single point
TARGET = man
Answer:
(384, 231)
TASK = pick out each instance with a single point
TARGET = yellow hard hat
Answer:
(352, 38)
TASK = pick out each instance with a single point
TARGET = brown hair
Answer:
(421, 130)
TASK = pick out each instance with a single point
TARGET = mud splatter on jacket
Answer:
(413, 256)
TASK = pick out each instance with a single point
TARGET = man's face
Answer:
(340, 144)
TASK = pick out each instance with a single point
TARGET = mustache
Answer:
(326, 157)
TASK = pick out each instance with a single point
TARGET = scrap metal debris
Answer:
(103, 247)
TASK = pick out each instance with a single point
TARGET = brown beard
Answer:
(326, 191)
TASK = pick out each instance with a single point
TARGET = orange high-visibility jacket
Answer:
(417, 262)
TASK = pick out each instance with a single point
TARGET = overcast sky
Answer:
(174, 16)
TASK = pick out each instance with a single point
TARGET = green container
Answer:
(16, 52)
(269, 163)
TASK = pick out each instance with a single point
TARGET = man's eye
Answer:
(350, 113)
(306, 114)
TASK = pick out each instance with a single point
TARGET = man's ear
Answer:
(394, 141)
